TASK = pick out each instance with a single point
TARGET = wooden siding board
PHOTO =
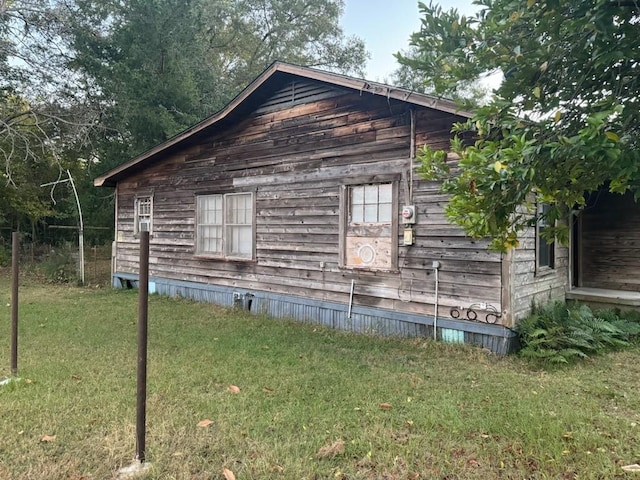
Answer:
(529, 286)
(295, 160)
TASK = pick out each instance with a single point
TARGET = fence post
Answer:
(15, 265)
(143, 303)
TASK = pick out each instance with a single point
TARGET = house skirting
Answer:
(495, 338)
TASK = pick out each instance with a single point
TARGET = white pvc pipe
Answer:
(81, 231)
(435, 315)
(353, 283)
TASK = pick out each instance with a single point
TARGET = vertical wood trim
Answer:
(114, 260)
(342, 232)
(571, 218)
(412, 154)
(254, 216)
(508, 284)
(580, 279)
(394, 226)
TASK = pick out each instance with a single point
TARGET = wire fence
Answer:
(60, 263)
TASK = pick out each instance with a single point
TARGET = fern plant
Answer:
(561, 333)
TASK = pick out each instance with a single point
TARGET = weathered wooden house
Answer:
(300, 199)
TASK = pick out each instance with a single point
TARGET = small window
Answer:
(545, 248)
(143, 215)
(371, 203)
(225, 225)
(370, 228)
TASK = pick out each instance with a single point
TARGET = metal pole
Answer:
(15, 265)
(81, 231)
(143, 303)
(353, 284)
(81, 228)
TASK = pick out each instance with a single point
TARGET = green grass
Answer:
(456, 413)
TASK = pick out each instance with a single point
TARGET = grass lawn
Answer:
(312, 403)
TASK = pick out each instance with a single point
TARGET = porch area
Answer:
(605, 298)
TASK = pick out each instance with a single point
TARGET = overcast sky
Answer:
(385, 27)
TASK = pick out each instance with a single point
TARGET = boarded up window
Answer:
(143, 213)
(370, 226)
(225, 225)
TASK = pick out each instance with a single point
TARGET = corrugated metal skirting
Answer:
(369, 320)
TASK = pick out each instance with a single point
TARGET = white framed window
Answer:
(370, 226)
(545, 248)
(143, 215)
(224, 225)
(371, 204)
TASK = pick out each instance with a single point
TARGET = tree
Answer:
(159, 66)
(86, 84)
(564, 122)
(41, 115)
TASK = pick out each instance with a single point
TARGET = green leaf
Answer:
(612, 136)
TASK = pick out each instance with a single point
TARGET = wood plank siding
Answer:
(530, 284)
(295, 152)
(610, 242)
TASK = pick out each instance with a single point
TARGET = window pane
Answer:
(357, 195)
(371, 213)
(239, 209)
(545, 248)
(230, 232)
(384, 213)
(209, 229)
(143, 214)
(210, 209)
(386, 193)
(144, 206)
(239, 241)
(371, 203)
(209, 239)
(371, 194)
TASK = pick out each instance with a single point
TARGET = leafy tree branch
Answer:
(564, 122)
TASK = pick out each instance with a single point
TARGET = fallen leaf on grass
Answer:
(473, 463)
(386, 406)
(204, 423)
(631, 468)
(276, 469)
(233, 389)
(48, 438)
(267, 390)
(333, 450)
(75, 377)
(228, 474)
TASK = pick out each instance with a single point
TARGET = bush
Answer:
(59, 266)
(5, 256)
(561, 333)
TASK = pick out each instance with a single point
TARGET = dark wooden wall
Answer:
(295, 153)
(610, 242)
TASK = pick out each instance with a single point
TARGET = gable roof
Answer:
(258, 91)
